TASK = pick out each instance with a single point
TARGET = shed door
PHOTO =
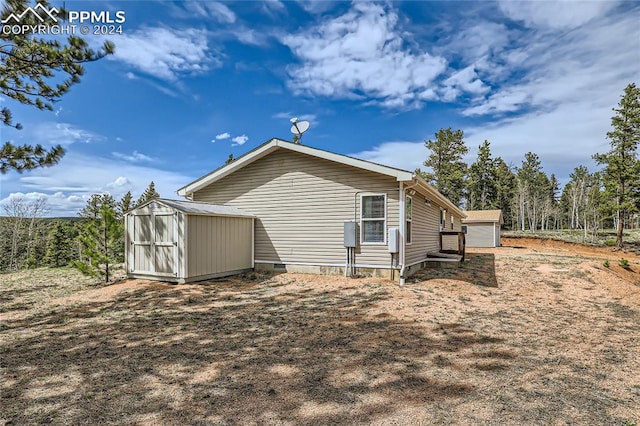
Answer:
(153, 241)
(164, 243)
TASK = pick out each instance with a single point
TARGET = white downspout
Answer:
(403, 224)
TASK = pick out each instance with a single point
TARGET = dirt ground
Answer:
(544, 335)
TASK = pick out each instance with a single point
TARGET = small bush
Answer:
(610, 243)
(606, 264)
(624, 263)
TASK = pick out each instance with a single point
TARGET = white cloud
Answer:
(465, 80)
(285, 115)
(166, 53)
(273, 6)
(134, 157)
(130, 75)
(401, 154)
(223, 136)
(362, 54)
(212, 9)
(118, 184)
(315, 7)
(557, 14)
(69, 185)
(240, 140)
(249, 36)
(52, 133)
(587, 66)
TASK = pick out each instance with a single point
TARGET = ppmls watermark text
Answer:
(45, 21)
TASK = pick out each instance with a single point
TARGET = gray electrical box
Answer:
(394, 240)
(350, 232)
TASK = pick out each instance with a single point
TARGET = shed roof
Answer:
(198, 208)
(483, 216)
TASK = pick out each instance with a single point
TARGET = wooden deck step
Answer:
(439, 255)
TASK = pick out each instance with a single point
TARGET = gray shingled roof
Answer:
(193, 207)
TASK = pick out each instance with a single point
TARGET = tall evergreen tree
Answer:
(124, 205)
(505, 189)
(621, 174)
(532, 191)
(445, 160)
(149, 194)
(60, 247)
(101, 239)
(92, 209)
(482, 191)
(37, 71)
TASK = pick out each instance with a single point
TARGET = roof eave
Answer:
(437, 196)
(274, 144)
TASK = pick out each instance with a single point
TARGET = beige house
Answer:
(482, 228)
(317, 211)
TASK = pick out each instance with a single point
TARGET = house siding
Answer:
(426, 230)
(301, 203)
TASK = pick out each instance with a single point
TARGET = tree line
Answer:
(532, 200)
(92, 242)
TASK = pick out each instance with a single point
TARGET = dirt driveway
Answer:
(513, 336)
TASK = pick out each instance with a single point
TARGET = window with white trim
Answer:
(373, 218)
(408, 214)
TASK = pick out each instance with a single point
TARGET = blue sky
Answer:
(192, 82)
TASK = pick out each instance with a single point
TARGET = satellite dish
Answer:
(299, 127)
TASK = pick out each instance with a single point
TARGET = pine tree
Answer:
(60, 247)
(149, 194)
(124, 205)
(37, 71)
(505, 189)
(101, 239)
(532, 191)
(621, 175)
(95, 203)
(482, 189)
(445, 160)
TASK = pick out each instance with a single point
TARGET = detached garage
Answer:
(183, 241)
(482, 228)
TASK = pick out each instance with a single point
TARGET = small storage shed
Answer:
(482, 228)
(183, 241)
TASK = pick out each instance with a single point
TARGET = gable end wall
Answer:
(301, 203)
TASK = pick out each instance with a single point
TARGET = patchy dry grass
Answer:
(510, 337)
(30, 288)
(603, 238)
